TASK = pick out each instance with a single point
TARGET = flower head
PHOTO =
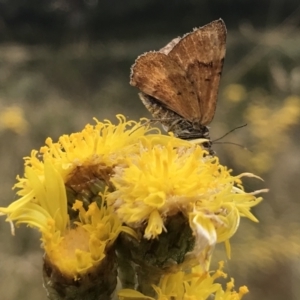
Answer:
(86, 155)
(192, 286)
(71, 248)
(13, 118)
(163, 181)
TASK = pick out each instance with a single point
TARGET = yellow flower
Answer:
(84, 245)
(72, 249)
(196, 285)
(12, 118)
(163, 181)
(269, 140)
(86, 155)
(45, 206)
(235, 92)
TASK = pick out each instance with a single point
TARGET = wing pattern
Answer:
(155, 74)
(184, 76)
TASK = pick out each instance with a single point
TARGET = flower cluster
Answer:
(158, 202)
(195, 285)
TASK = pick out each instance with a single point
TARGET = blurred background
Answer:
(63, 62)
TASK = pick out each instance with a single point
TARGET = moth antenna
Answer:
(235, 144)
(244, 125)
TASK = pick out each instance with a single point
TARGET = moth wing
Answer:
(166, 49)
(201, 55)
(157, 75)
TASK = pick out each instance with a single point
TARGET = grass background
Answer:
(64, 62)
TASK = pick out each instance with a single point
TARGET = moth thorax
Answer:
(187, 130)
(190, 131)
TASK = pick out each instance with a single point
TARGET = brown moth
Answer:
(179, 83)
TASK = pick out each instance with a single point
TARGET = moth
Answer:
(179, 83)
